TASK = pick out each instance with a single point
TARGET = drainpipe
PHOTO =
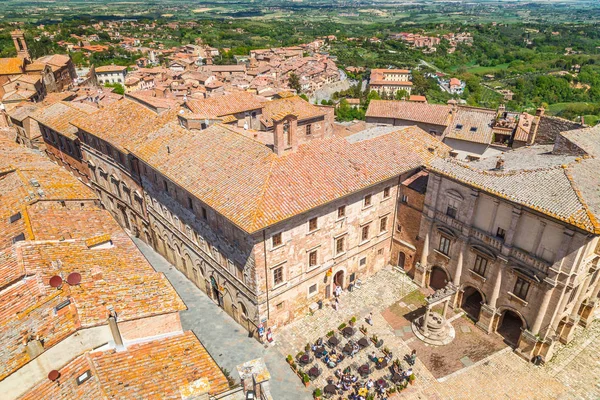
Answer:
(266, 274)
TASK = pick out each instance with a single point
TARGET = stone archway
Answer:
(438, 278)
(510, 327)
(216, 295)
(338, 278)
(472, 300)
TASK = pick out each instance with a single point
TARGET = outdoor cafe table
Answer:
(319, 351)
(363, 342)
(397, 378)
(348, 331)
(382, 383)
(330, 389)
(333, 341)
(314, 372)
(305, 359)
(363, 369)
(348, 348)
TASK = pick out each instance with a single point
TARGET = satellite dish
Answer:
(74, 278)
(56, 281)
(53, 375)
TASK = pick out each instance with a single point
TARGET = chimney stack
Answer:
(539, 112)
(500, 164)
(114, 328)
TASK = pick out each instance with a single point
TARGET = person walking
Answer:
(413, 357)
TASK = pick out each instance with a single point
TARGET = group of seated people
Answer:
(332, 359)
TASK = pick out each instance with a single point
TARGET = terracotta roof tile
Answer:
(277, 109)
(247, 183)
(225, 105)
(410, 111)
(472, 125)
(58, 115)
(11, 66)
(152, 370)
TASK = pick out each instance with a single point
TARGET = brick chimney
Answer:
(285, 138)
(539, 112)
(500, 164)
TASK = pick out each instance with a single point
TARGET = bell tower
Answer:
(18, 38)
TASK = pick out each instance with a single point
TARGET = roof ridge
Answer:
(594, 221)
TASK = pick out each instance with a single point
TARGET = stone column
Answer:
(445, 307)
(512, 229)
(426, 320)
(542, 310)
(581, 296)
(493, 219)
(595, 291)
(421, 267)
(497, 285)
(561, 307)
(459, 265)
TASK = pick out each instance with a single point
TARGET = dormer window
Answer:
(473, 129)
(459, 126)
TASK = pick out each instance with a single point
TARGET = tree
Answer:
(119, 89)
(294, 82)
(401, 95)
(304, 97)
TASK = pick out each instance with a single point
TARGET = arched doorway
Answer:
(401, 259)
(471, 302)
(216, 295)
(438, 278)
(338, 279)
(510, 327)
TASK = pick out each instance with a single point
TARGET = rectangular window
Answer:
(404, 198)
(444, 245)
(364, 233)
(501, 233)
(312, 258)
(367, 201)
(521, 288)
(341, 211)
(398, 228)
(278, 276)
(480, 265)
(276, 239)
(452, 209)
(308, 129)
(312, 224)
(312, 289)
(84, 377)
(15, 217)
(19, 238)
(166, 186)
(362, 262)
(383, 224)
(340, 245)
(190, 203)
(386, 192)
(204, 213)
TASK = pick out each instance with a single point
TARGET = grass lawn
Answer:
(486, 70)
(559, 107)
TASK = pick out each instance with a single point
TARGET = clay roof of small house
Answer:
(435, 114)
(472, 125)
(164, 368)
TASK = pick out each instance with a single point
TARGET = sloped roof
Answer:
(225, 105)
(410, 111)
(472, 125)
(58, 115)
(289, 105)
(11, 66)
(247, 183)
(110, 68)
(123, 123)
(156, 369)
(549, 189)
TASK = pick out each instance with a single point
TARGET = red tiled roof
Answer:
(289, 105)
(225, 105)
(250, 185)
(154, 370)
(11, 66)
(410, 111)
